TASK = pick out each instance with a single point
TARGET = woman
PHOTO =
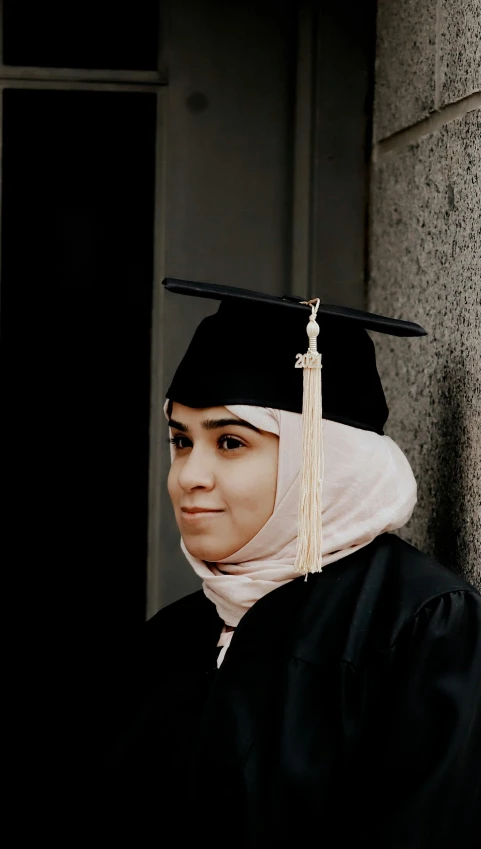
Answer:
(282, 704)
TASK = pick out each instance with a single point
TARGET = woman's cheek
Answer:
(237, 486)
(247, 489)
(172, 484)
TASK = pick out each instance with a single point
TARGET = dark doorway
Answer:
(77, 247)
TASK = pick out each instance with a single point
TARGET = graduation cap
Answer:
(254, 351)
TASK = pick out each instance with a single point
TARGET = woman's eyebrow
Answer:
(178, 426)
(213, 424)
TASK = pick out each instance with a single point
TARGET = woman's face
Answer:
(222, 481)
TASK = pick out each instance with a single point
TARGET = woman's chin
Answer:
(210, 550)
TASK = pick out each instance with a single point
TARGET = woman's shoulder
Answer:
(190, 615)
(408, 557)
(187, 605)
(367, 601)
(414, 576)
(413, 593)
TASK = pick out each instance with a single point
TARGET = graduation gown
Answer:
(347, 709)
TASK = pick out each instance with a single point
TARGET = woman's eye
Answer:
(226, 443)
(230, 443)
(181, 442)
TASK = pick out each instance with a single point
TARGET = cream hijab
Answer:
(368, 488)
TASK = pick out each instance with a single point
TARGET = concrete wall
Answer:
(425, 260)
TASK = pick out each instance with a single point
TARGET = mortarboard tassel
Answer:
(309, 540)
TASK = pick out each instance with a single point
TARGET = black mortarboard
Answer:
(245, 354)
(252, 352)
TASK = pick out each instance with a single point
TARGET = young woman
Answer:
(274, 708)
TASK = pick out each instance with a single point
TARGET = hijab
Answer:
(368, 489)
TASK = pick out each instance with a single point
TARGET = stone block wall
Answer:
(425, 261)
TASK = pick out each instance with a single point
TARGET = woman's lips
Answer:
(195, 514)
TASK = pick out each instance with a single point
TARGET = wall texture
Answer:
(425, 260)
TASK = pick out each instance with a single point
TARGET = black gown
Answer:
(347, 712)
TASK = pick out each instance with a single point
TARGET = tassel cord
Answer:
(309, 549)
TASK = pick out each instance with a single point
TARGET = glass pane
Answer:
(86, 34)
(77, 245)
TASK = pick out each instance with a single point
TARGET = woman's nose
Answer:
(196, 472)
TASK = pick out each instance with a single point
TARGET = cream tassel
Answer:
(309, 541)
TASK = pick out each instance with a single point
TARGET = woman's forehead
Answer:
(180, 412)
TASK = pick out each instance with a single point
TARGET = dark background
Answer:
(76, 312)
(77, 212)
